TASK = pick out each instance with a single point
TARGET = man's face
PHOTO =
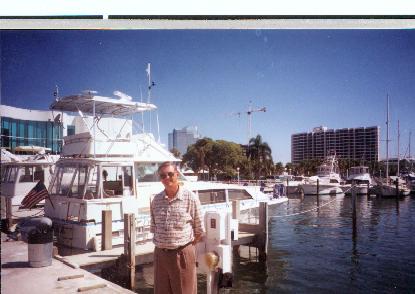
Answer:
(168, 176)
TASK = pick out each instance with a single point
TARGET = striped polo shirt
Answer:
(175, 222)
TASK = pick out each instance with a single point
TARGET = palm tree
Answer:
(259, 154)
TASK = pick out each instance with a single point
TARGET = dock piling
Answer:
(354, 210)
(263, 231)
(129, 247)
(106, 239)
(318, 194)
(397, 188)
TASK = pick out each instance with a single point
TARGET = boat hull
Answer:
(311, 189)
(390, 191)
(360, 189)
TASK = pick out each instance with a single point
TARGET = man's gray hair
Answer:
(167, 163)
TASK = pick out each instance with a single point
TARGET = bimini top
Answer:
(84, 102)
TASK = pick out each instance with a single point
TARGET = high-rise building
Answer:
(181, 139)
(349, 143)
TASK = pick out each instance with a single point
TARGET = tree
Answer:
(279, 168)
(260, 158)
(198, 155)
(221, 158)
(175, 152)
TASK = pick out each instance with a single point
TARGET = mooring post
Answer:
(397, 187)
(129, 247)
(106, 229)
(318, 193)
(236, 210)
(263, 231)
(354, 210)
(368, 190)
(9, 215)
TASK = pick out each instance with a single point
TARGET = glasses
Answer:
(169, 174)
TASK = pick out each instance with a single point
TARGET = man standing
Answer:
(177, 225)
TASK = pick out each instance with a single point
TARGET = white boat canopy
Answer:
(103, 105)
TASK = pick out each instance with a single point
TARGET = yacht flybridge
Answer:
(107, 167)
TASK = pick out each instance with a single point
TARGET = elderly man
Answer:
(177, 225)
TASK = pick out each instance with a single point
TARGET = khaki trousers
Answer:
(175, 271)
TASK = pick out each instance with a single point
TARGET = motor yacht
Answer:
(101, 169)
(327, 179)
(360, 177)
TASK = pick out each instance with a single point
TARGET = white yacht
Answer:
(101, 171)
(360, 177)
(328, 179)
(19, 175)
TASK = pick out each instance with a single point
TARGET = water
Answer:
(315, 252)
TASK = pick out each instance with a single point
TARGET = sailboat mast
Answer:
(387, 138)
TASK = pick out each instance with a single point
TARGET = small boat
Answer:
(327, 179)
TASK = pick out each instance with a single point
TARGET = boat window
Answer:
(26, 174)
(9, 174)
(77, 189)
(128, 179)
(66, 177)
(91, 188)
(117, 180)
(238, 195)
(147, 172)
(39, 174)
(212, 196)
(333, 181)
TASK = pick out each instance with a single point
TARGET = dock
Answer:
(254, 235)
(143, 254)
(73, 273)
(18, 277)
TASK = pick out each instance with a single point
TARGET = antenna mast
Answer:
(148, 70)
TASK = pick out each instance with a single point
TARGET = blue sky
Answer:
(305, 78)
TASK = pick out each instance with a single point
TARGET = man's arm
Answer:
(198, 224)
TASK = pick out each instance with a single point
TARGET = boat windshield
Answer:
(9, 174)
(211, 196)
(74, 181)
(147, 172)
(82, 181)
(31, 174)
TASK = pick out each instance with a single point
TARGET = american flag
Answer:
(37, 194)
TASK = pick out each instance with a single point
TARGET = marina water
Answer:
(314, 252)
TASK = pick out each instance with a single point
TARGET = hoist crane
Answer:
(249, 113)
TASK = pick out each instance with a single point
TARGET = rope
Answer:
(302, 212)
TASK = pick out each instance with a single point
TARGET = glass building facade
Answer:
(17, 132)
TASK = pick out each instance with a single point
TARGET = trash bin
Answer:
(39, 233)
